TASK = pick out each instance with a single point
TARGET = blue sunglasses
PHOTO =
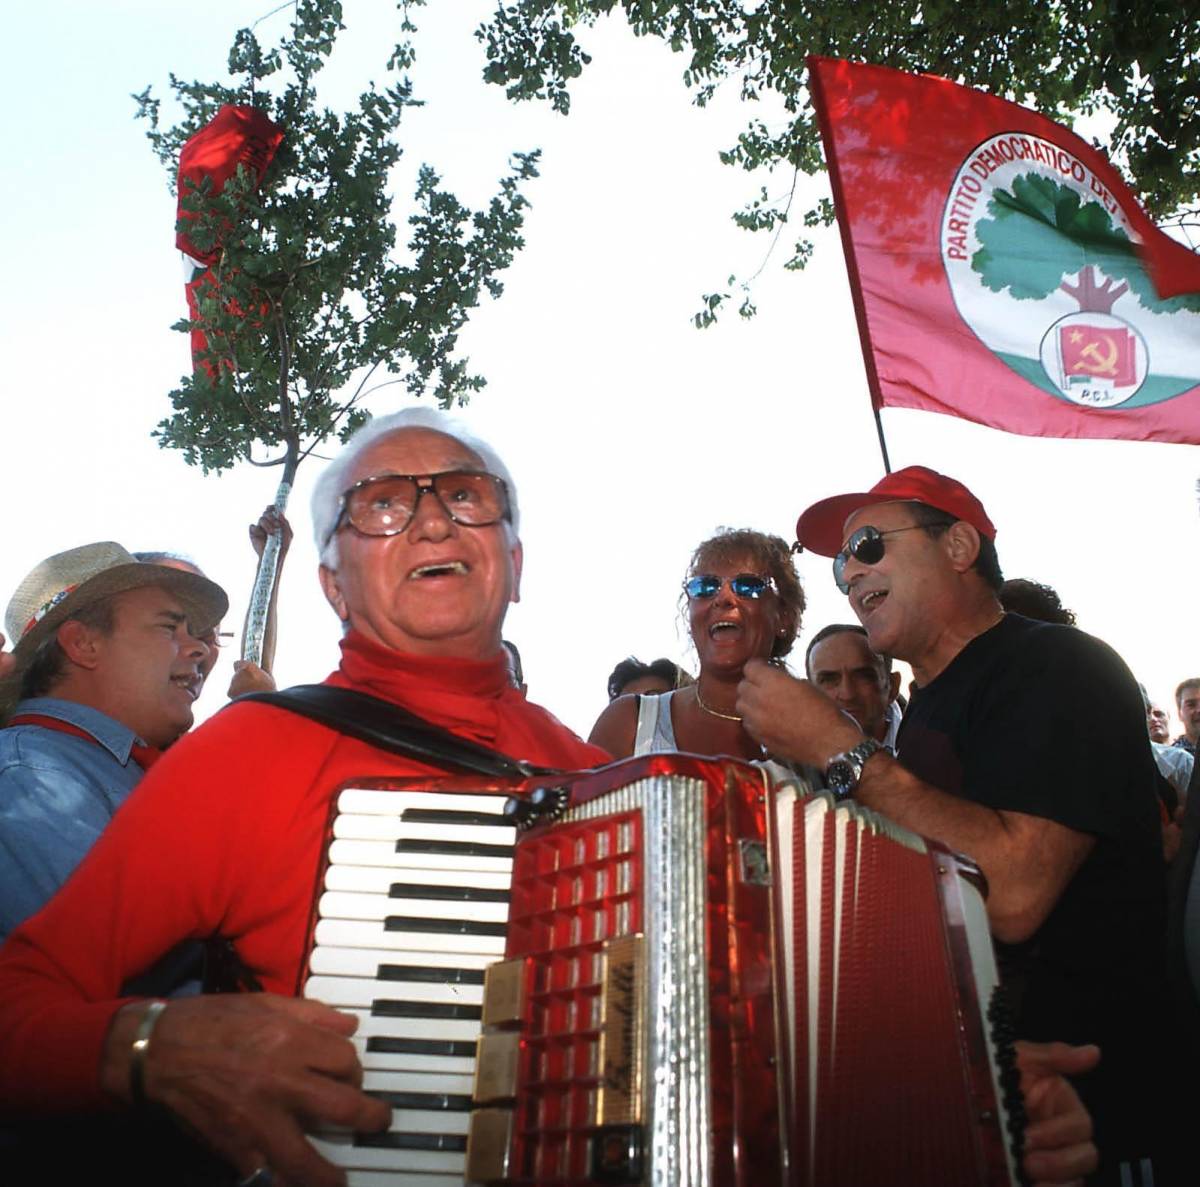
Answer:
(744, 585)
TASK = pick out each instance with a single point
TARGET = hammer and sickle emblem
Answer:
(1100, 362)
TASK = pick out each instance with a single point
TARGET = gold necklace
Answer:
(714, 712)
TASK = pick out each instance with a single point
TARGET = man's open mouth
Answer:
(190, 682)
(441, 569)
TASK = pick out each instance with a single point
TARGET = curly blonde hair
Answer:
(770, 555)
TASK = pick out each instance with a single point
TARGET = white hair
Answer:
(335, 478)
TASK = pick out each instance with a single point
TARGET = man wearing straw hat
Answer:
(104, 672)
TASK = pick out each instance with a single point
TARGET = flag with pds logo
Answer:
(1001, 269)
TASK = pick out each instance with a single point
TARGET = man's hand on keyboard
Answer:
(1058, 1139)
(250, 1073)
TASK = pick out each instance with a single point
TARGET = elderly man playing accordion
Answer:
(420, 560)
(417, 523)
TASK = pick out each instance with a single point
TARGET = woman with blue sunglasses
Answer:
(744, 601)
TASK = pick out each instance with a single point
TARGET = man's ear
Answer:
(518, 559)
(893, 686)
(962, 545)
(332, 590)
(80, 643)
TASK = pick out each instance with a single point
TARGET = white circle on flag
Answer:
(1020, 281)
(1095, 360)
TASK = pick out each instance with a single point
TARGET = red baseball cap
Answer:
(819, 529)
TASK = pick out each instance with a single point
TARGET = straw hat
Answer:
(67, 582)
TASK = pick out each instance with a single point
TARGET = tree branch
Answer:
(285, 365)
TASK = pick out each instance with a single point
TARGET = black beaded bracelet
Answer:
(141, 1044)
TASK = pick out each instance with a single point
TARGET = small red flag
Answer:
(1094, 352)
(236, 135)
(1001, 269)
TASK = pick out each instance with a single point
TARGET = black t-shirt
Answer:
(1046, 720)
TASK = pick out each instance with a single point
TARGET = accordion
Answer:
(672, 971)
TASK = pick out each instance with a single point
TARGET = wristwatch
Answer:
(844, 770)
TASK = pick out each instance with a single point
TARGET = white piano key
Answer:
(375, 802)
(414, 1081)
(352, 991)
(361, 1178)
(338, 904)
(383, 853)
(392, 828)
(446, 1030)
(360, 933)
(328, 960)
(379, 879)
(340, 1152)
(430, 1121)
(400, 1061)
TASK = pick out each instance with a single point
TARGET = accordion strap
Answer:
(389, 727)
(648, 709)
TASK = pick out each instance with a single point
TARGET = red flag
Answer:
(234, 136)
(1001, 269)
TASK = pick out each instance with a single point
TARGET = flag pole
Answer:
(817, 90)
(887, 465)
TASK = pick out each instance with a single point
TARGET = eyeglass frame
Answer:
(867, 534)
(768, 584)
(424, 484)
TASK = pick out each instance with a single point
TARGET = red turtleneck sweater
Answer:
(225, 836)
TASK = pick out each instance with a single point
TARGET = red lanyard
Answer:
(144, 756)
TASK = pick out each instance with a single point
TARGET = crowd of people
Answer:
(138, 855)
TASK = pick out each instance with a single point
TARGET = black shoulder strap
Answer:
(389, 727)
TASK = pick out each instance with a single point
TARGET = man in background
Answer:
(840, 662)
(1187, 702)
(632, 676)
(106, 667)
(1157, 722)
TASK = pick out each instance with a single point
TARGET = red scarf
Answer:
(466, 696)
(472, 698)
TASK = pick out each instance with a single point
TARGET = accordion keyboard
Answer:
(413, 909)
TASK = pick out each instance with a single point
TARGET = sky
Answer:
(632, 436)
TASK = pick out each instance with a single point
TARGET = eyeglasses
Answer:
(385, 505)
(744, 585)
(212, 637)
(866, 546)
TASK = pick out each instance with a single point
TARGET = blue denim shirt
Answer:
(57, 794)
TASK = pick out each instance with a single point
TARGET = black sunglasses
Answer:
(744, 585)
(866, 546)
(384, 505)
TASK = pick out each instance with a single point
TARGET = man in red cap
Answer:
(1000, 758)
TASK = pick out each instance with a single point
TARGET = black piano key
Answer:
(433, 1101)
(395, 1045)
(420, 972)
(401, 1009)
(448, 848)
(463, 894)
(449, 1142)
(449, 816)
(449, 927)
